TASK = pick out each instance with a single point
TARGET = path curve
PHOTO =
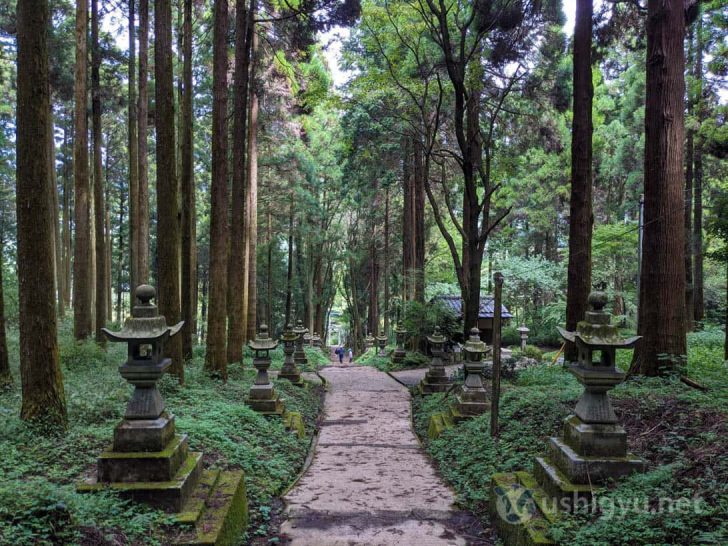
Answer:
(369, 482)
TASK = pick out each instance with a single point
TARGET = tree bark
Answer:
(5, 377)
(99, 208)
(689, 154)
(662, 283)
(216, 356)
(236, 266)
(698, 250)
(386, 259)
(289, 268)
(140, 223)
(82, 248)
(55, 208)
(581, 217)
(120, 262)
(418, 236)
(66, 235)
(168, 222)
(42, 385)
(252, 198)
(189, 226)
(407, 221)
(133, 151)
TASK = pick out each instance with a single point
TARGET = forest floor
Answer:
(370, 481)
(38, 472)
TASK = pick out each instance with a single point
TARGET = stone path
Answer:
(370, 482)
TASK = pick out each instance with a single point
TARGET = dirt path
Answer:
(370, 482)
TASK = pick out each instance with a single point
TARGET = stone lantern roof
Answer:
(145, 322)
(474, 343)
(437, 338)
(262, 341)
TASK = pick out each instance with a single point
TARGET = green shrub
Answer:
(531, 351)
(510, 336)
(415, 360)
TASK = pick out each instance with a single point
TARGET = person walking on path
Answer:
(340, 352)
(351, 355)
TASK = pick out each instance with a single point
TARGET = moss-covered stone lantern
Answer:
(263, 398)
(382, 343)
(299, 355)
(436, 379)
(472, 399)
(593, 446)
(308, 339)
(316, 340)
(289, 370)
(399, 353)
(148, 461)
(523, 332)
(369, 341)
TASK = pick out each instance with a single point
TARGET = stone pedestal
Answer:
(473, 398)
(299, 355)
(263, 397)
(436, 378)
(289, 370)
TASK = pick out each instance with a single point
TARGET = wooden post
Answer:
(495, 396)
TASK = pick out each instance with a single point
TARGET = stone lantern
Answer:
(382, 343)
(523, 332)
(299, 355)
(399, 352)
(148, 461)
(593, 446)
(369, 341)
(472, 399)
(263, 398)
(316, 340)
(289, 370)
(307, 339)
(436, 379)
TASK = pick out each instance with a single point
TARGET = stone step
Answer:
(225, 514)
(591, 469)
(168, 495)
(558, 486)
(143, 466)
(195, 506)
(515, 506)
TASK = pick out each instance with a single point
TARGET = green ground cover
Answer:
(38, 502)
(384, 363)
(681, 431)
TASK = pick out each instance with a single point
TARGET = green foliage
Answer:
(420, 319)
(510, 336)
(38, 473)
(531, 351)
(680, 431)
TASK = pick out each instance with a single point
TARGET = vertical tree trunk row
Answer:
(42, 385)
(244, 27)
(82, 248)
(581, 218)
(698, 251)
(168, 224)
(662, 283)
(251, 212)
(216, 356)
(99, 208)
(133, 153)
(189, 225)
(140, 221)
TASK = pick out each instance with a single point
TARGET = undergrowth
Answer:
(384, 363)
(38, 473)
(682, 433)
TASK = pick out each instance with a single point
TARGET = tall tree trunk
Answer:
(662, 283)
(289, 269)
(168, 225)
(5, 377)
(43, 398)
(120, 262)
(698, 281)
(140, 223)
(581, 218)
(55, 208)
(689, 157)
(252, 198)
(99, 208)
(216, 356)
(189, 227)
(407, 220)
(82, 248)
(236, 266)
(109, 245)
(386, 259)
(133, 152)
(269, 275)
(373, 284)
(421, 166)
(66, 235)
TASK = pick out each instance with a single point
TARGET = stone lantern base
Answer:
(471, 402)
(398, 355)
(149, 462)
(435, 380)
(264, 399)
(294, 376)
